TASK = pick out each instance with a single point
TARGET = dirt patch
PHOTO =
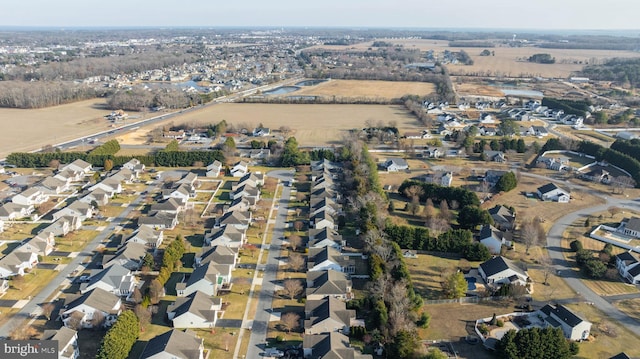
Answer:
(477, 90)
(369, 89)
(137, 137)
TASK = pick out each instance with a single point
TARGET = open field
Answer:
(507, 60)
(428, 271)
(51, 125)
(364, 88)
(312, 125)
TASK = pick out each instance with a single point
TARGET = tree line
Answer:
(110, 147)
(438, 193)
(459, 241)
(18, 94)
(570, 107)
(160, 158)
(120, 338)
(625, 72)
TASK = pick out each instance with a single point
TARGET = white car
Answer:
(273, 352)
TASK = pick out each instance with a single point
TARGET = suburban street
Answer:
(263, 311)
(54, 285)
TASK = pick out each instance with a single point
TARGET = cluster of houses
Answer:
(327, 321)
(175, 196)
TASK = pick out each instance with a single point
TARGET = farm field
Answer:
(506, 60)
(364, 88)
(312, 125)
(51, 125)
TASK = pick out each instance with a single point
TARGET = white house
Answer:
(11, 211)
(628, 266)
(78, 208)
(573, 327)
(213, 170)
(395, 165)
(205, 279)
(151, 238)
(239, 169)
(17, 263)
(174, 344)
(329, 258)
(197, 310)
(114, 279)
(81, 310)
(630, 227)
(493, 238)
(499, 270)
(551, 192)
(327, 315)
(76, 166)
(30, 197)
(67, 342)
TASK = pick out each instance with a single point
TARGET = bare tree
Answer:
(292, 287)
(226, 338)
(155, 291)
(298, 225)
(47, 309)
(285, 130)
(529, 234)
(438, 225)
(444, 210)
(74, 321)
(547, 268)
(144, 316)
(97, 320)
(290, 321)
(429, 210)
(294, 242)
(296, 262)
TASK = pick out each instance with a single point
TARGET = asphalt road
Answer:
(265, 299)
(54, 285)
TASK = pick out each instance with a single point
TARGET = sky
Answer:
(490, 14)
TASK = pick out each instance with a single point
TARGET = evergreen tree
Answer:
(507, 182)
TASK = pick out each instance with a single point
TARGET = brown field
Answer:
(312, 125)
(369, 89)
(508, 61)
(32, 129)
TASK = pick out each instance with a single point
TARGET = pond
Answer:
(310, 82)
(281, 90)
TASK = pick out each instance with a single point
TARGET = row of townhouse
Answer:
(327, 321)
(175, 198)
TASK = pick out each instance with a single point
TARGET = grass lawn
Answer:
(202, 196)
(556, 288)
(75, 241)
(111, 210)
(427, 273)
(629, 306)
(609, 338)
(30, 284)
(18, 231)
(208, 185)
(607, 287)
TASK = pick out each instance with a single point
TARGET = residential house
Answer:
(559, 163)
(12, 211)
(214, 169)
(79, 311)
(630, 227)
(494, 239)
(67, 342)
(4, 286)
(395, 164)
(1, 226)
(190, 179)
(174, 344)
(239, 204)
(52, 185)
(159, 220)
(499, 270)
(30, 197)
(238, 219)
(99, 196)
(181, 192)
(573, 327)
(324, 204)
(598, 175)
(253, 179)
(446, 179)
(219, 255)
(205, 278)
(432, 152)
(147, 236)
(628, 266)
(110, 185)
(328, 283)
(325, 237)
(171, 205)
(503, 218)
(323, 219)
(41, 244)
(539, 131)
(252, 194)
(197, 310)
(487, 130)
(114, 279)
(330, 345)
(76, 166)
(79, 209)
(239, 169)
(486, 118)
(69, 176)
(135, 166)
(329, 258)
(494, 156)
(551, 192)
(327, 315)
(176, 135)
(17, 263)
(129, 255)
(228, 236)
